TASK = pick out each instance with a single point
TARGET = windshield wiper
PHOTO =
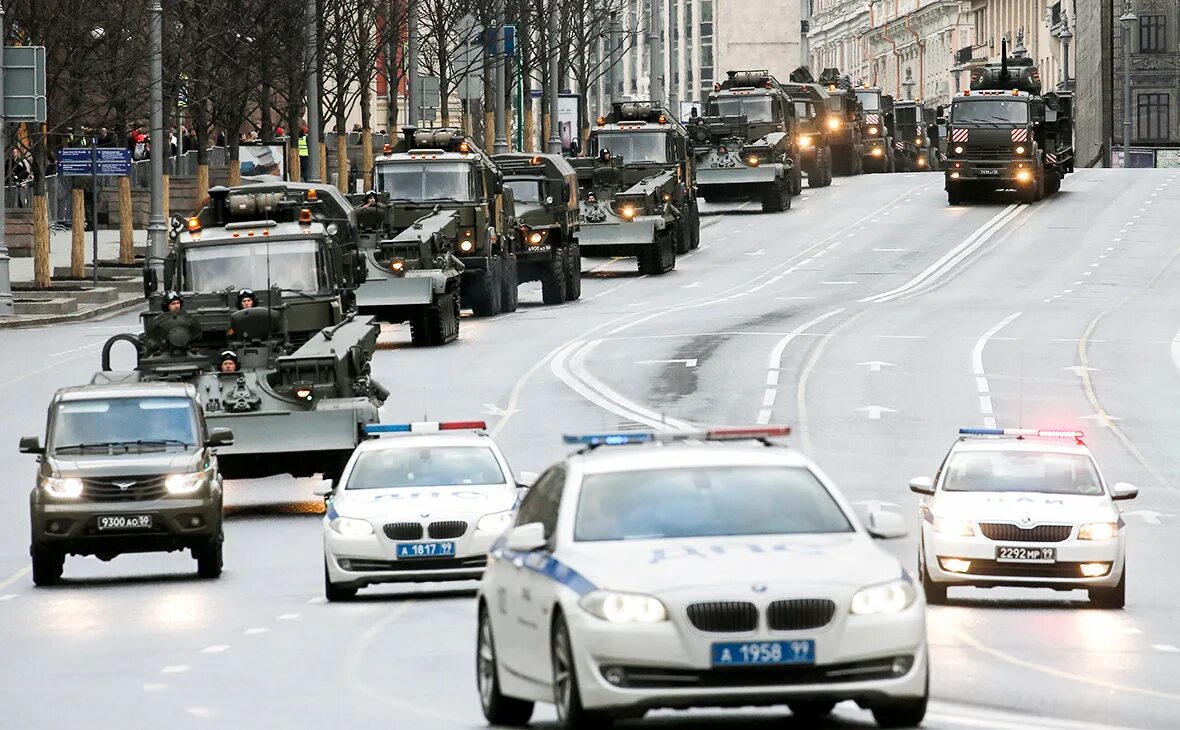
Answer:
(158, 442)
(94, 445)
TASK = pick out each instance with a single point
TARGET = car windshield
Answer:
(705, 502)
(426, 182)
(429, 466)
(756, 108)
(870, 100)
(525, 191)
(104, 424)
(998, 111)
(633, 146)
(293, 265)
(1021, 471)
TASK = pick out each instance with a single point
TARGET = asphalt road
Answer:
(872, 317)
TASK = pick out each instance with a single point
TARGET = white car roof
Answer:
(685, 454)
(1040, 445)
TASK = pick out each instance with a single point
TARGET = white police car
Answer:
(654, 570)
(1022, 507)
(425, 504)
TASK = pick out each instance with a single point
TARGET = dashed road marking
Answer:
(215, 649)
(255, 631)
(8, 597)
(981, 382)
(1165, 648)
(774, 362)
(288, 616)
(175, 669)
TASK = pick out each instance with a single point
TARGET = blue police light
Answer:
(610, 439)
(424, 427)
(981, 432)
(377, 428)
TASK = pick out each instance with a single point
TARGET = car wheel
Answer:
(1111, 597)
(497, 708)
(336, 593)
(811, 710)
(48, 564)
(484, 290)
(509, 285)
(566, 696)
(935, 592)
(208, 555)
(553, 290)
(904, 713)
(573, 272)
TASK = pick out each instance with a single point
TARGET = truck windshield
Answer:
(870, 100)
(525, 191)
(291, 265)
(427, 182)
(804, 111)
(756, 108)
(996, 111)
(633, 146)
(437, 466)
(102, 424)
(906, 115)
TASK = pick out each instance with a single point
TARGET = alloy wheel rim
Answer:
(562, 683)
(486, 656)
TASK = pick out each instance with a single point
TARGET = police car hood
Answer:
(783, 561)
(1024, 507)
(416, 503)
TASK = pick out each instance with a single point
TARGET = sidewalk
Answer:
(70, 300)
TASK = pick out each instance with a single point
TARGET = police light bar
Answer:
(376, 429)
(1044, 433)
(735, 433)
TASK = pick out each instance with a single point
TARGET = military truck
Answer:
(879, 153)
(637, 188)
(746, 146)
(545, 194)
(812, 110)
(290, 376)
(1004, 134)
(440, 170)
(846, 123)
(910, 142)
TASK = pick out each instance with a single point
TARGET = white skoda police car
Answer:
(1022, 507)
(424, 504)
(669, 571)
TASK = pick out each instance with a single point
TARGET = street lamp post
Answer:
(1127, 19)
(554, 84)
(6, 303)
(1066, 36)
(156, 233)
(500, 143)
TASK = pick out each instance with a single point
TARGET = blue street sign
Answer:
(509, 40)
(74, 154)
(73, 169)
(75, 161)
(114, 169)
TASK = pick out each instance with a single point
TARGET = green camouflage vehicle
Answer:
(879, 152)
(846, 123)
(439, 170)
(545, 194)
(637, 188)
(290, 374)
(910, 143)
(813, 110)
(746, 146)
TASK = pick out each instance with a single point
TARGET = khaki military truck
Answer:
(846, 123)
(910, 142)
(440, 170)
(879, 152)
(637, 188)
(545, 195)
(813, 110)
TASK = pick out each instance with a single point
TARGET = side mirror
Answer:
(522, 491)
(220, 437)
(324, 489)
(1120, 491)
(922, 485)
(526, 538)
(150, 281)
(886, 525)
(31, 445)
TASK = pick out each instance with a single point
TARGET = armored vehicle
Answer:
(545, 194)
(637, 188)
(746, 146)
(879, 153)
(846, 123)
(437, 170)
(1005, 134)
(126, 469)
(910, 142)
(812, 110)
(256, 321)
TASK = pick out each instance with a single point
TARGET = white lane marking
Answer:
(888, 250)
(8, 597)
(215, 649)
(874, 412)
(288, 617)
(203, 712)
(902, 337)
(838, 283)
(688, 363)
(255, 631)
(175, 669)
(154, 687)
(875, 366)
(772, 378)
(491, 409)
(985, 405)
(693, 285)
(1165, 648)
(792, 299)
(981, 383)
(774, 362)
(321, 599)
(952, 258)
(758, 252)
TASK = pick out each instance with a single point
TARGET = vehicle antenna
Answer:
(269, 322)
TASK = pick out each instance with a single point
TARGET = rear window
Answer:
(1021, 471)
(436, 466)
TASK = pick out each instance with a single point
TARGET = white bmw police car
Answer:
(669, 571)
(425, 504)
(1022, 507)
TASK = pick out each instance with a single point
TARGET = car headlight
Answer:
(872, 130)
(495, 522)
(834, 123)
(624, 608)
(891, 597)
(1020, 149)
(752, 161)
(958, 150)
(70, 487)
(1098, 531)
(184, 483)
(804, 140)
(953, 526)
(351, 527)
(628, 211)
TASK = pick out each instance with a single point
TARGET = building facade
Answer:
(912, 48)
(836, 37)
(1155, 80)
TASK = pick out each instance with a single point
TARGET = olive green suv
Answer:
(126, 468)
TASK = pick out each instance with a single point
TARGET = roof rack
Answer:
(728, 433)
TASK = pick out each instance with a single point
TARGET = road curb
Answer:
(10, 323)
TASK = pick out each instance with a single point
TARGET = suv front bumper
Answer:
(176, 524)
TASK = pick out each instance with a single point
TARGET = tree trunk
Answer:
(234, 163)
(41, 264)
(489, 131)
(530, 127)
(167, 195)
(293, 173)
(126, 229)
(342, 161)
(202, 182)
(546, 126)
(235, 173)
(323, 162)
(78, 235)
(367, 157)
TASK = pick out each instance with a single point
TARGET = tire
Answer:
(48, 564)
(935, 592)
(683, 236)
(954, 193)
(497, 708)
(509, 285)
(796, 179)
(776, 198)
(573, 272)
(438, 323)
(695, 225)
(209, 557)
(1112, 598)
(553, 276)
(484, 291)
(811, 710)
(904, 713)
(660, 257)
(335, 593)
(566, 696)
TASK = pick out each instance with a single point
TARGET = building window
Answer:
(1152, 121)
(1153, 33)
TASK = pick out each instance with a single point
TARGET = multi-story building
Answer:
(912, 47)
(836, 36)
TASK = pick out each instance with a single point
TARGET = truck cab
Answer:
(879, 132)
